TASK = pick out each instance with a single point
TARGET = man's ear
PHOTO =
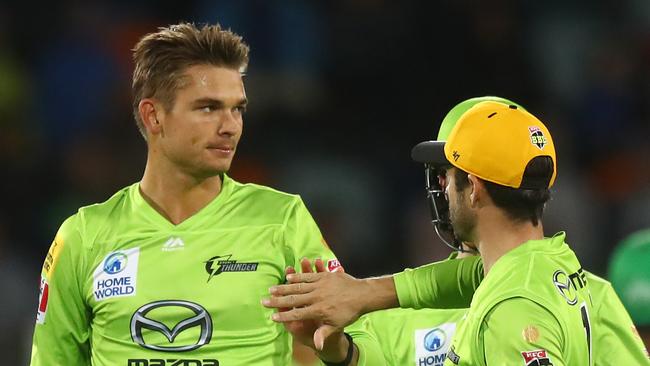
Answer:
(477, 191)
(149, 111)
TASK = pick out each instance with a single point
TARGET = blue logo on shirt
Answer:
(435, 340)
(115, 263)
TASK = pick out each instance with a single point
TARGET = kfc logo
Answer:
(334, 265)
(536, 358)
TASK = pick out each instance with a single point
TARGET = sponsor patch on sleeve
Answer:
(536, 358)
(334, 265)
(52, 257)
(43, 296)
(116, 275)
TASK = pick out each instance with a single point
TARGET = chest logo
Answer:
(172, 244)
(431, 344)
(222, 263)
(169, 308)
(116, 275)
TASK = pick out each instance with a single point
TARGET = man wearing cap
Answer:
(629, 271)
(451, 284)
(534, 295)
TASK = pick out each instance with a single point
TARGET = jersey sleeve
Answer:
(369, 344)
(304, 239)
(62, 331)
(519, 331)
(448, 284)
(616, 333)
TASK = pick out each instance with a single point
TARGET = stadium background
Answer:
(339, 93)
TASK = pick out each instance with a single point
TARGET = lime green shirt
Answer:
(398, 337)
(121, 285)
(614, 338)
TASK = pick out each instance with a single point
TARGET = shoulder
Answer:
(260, 191)
(90, 218)
(272, 201)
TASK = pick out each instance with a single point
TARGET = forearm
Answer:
(379, 293)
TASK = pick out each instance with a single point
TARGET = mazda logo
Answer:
(201, 318)
(567, 289)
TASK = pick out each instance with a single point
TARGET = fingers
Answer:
(289, 270)
(305, 313)
(320, 265)
(304, 277)
(305, 265)
(322, 333)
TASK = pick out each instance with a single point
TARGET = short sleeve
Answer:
(519, 331)
(448, 284)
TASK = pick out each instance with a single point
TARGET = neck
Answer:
(497, 235)
(176, 195)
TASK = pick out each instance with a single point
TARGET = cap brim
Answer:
(430, 152)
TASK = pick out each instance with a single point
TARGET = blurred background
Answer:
(339, 92)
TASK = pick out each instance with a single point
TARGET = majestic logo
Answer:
(116, 275)
(201, 318)
(568, 285)
(222, 263)
(42, 300)
(537, 137)
(536, 358)
(172, 244)
(115, 263)
(434, 340)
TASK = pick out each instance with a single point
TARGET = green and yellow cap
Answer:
(494, 141)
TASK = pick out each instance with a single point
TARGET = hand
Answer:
(335, 299)
(303, 330)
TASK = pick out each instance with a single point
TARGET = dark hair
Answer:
(520, 204)
(162, 57)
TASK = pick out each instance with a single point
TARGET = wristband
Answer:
(348, 357)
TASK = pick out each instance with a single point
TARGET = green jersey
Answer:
(615, 340)
(405, 337)
(121, 285)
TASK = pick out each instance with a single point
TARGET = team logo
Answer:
(222, 263)
(536, 358)
(434, 340)
(201, 318)
(43, 295)
(115, 263)
(334, 265)
(431, 344)
(537, 137)
(116, 275)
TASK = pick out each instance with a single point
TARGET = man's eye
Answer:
(207, 109)
(241, 109)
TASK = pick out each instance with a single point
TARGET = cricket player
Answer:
(170, 270)
(547, 319)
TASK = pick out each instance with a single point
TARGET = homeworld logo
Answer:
(431, 345)
(116, 275)
(222, 263)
